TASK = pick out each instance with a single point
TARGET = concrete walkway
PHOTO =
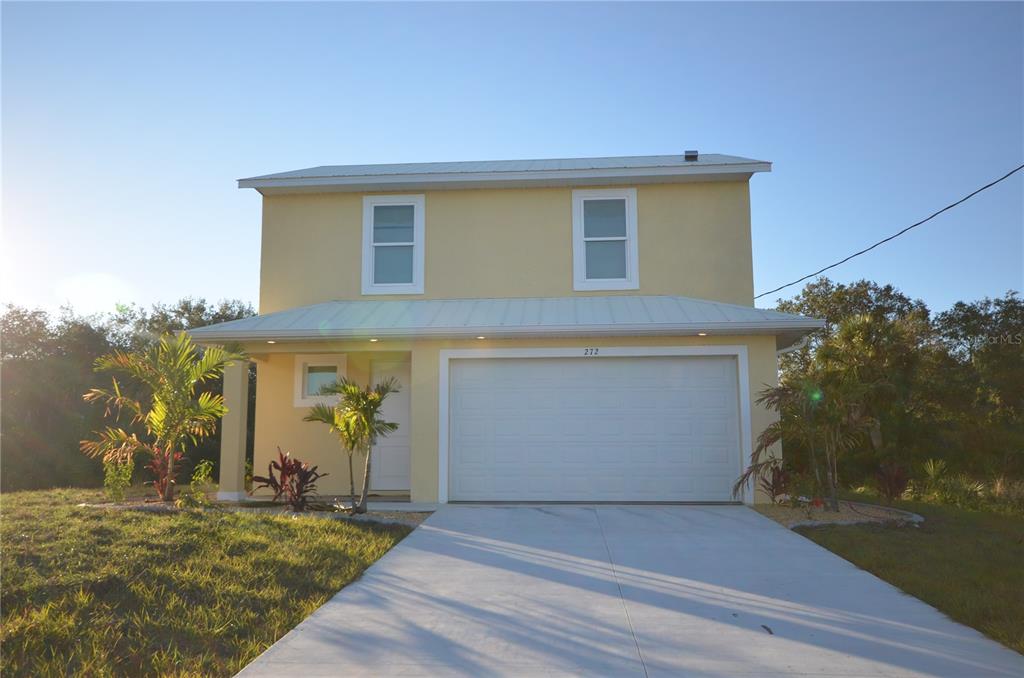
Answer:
(623, 591)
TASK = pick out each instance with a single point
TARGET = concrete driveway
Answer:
(623, 591)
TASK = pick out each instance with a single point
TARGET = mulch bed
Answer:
(850, 513)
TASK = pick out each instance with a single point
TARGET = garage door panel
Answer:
(716, 455)
(606, 429)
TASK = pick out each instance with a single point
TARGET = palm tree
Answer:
(172, 414)
(823, 415)
(795, 402)
(356, 420)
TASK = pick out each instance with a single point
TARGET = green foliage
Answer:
(938, 486)
(949, 387)
(171, 413)
(117, 477)
(47, 362)
(358, 423)
(934, 470)
(96, 592)
(825, 414)
(195, 495)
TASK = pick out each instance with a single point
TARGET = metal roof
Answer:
(621, 315)
(509, 173)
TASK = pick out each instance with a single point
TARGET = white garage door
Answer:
(594, 429)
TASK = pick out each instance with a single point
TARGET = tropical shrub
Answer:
(357, 421)
(170, 413)
(775, 482)
(295, 481)
(892, 480)
(163, 467)
(117, 478)
(960, 490)
(195, 495)
(824, 415)
(934, 471)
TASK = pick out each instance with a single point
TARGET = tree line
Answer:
(47, 366)
(910, 385)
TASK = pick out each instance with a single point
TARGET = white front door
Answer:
(661, 428)
(390, 462)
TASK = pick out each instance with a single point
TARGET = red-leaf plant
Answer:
(892, 480)
(775, 481)
(163, 472)
(295, 481)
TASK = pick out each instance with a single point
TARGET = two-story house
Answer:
(579, 329)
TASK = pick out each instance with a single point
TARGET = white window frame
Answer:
(580, 282)
(303, 361)
(418, 203)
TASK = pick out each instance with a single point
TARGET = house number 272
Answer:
(590, 351)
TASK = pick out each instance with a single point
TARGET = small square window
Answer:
(318, 376)
(313, 372)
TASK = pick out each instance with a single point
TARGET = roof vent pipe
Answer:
(690, 156)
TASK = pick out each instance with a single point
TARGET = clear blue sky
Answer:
(125, 126)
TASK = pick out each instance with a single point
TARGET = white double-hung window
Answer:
(604, 244)
(393, 244)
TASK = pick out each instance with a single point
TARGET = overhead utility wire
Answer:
(894, 235)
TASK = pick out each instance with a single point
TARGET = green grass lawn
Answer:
(98, 592)
(968, 564)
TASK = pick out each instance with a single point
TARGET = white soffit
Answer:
(619, 315)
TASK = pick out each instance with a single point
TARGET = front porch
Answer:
(288, 381)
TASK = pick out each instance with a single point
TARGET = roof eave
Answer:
(453, 180)
(789, 330)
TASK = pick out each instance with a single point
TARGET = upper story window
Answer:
(604, 246)
(393, 244)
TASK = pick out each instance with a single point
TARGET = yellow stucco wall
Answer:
(694, 240)
(278, 422)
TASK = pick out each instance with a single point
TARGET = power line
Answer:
(894, 235)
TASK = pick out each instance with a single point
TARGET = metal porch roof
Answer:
(620, 315)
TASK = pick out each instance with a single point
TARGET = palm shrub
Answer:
(171, 415)
(934, 471)
(357, 421)
(823, 416)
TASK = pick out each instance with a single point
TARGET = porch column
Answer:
(232, 432)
